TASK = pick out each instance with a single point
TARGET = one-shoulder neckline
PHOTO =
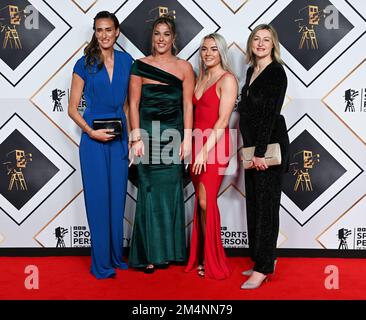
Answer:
(159, 69)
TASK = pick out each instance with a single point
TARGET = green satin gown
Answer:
(159, 228)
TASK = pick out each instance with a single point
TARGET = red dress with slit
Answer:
(206, 113)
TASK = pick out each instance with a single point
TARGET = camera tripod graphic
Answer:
(18, 161)
(349, 96)
(306, 26)
(306, 161)
(9, 19)
(343, 234)
(57, 95)
(60, 234)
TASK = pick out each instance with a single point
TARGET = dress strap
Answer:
(222, 76)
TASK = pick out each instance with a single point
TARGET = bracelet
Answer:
(136, 140)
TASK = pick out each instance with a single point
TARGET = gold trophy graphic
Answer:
(305, 160)
(161, 11)
(9, 19)
(17, 161)
(306, 26)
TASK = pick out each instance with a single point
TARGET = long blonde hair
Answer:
(275, 54)
(223, 51)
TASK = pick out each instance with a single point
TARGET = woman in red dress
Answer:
(214, 99)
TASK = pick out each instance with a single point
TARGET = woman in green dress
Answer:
(161, 116)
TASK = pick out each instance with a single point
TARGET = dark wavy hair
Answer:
(92, 52)
(169, 21)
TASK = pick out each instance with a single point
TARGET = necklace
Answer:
(211, 82)
(257, 71)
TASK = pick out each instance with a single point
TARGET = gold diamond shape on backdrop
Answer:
(234, 5)
(333, 109)
(49, 222)
(43, 108)
(358, 203)
(237, 58)
(84, 5)
(282, 238)
(234, 44)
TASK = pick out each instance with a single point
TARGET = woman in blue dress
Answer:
(103, 74)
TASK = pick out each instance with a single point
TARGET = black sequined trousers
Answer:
(263, 195)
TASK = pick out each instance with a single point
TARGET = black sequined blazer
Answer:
(260, 120)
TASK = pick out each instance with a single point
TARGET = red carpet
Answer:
(69, 278)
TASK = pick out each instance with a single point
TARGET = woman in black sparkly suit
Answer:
(260, 124)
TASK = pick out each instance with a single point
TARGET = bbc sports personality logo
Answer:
(77, 236)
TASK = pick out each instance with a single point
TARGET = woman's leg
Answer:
(201, 218)
(268, 194)
(96, 193)
(118, 172)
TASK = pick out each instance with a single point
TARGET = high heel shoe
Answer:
(249, 272)
(201, 270)
(254, 285)
(149, 269)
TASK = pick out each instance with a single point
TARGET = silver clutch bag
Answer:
(272, 155)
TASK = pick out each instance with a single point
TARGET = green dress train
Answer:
(159, 228)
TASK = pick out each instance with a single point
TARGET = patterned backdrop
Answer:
(322, 43)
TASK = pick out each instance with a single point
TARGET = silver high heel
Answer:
(249, 272)
(253, 285)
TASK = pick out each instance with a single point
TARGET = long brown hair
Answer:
(92, 51)
(169, 21)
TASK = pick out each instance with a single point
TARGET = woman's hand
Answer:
(101, 135)
(200, 163)
(185, 149)
(259, 163)
(138, 148)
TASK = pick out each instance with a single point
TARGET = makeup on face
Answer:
(106, 33)
(210, 54)
(262, 43)
(162, 38)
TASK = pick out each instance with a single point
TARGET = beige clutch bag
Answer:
(272, 155)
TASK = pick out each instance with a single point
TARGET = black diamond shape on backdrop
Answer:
(323, 174)
(137, 26)
(29, 39)
(37, 172)
(288, 23)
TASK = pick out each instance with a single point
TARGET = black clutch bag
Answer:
(115, 124)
